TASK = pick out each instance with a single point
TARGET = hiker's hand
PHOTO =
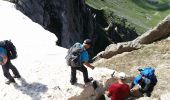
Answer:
(139, 86)
(92, 67)
(131, 90)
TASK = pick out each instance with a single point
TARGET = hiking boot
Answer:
(94, 84)
(73, 82)
(89, 80)
(147, 94)
(9, 81)
(17, 76)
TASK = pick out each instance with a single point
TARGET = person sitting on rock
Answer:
(119, 90)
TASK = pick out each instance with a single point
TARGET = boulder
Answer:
(119, 48)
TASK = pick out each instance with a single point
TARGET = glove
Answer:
(136, 88)
(139, 86)
(92, 67)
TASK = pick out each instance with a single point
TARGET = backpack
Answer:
(11, 49)
(73, 55)
(149, 73)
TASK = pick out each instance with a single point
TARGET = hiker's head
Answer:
(121, 76)
(87, 43)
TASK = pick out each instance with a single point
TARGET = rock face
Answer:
(161, 31)
(68, 19)
(73, 21)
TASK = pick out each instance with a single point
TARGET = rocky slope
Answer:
(156, 54)
(44, 71)
(129, 56)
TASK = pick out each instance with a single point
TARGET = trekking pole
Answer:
(112, 74)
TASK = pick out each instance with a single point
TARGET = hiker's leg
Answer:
(85, 73)
(132, 85)
(6, 72)
(150, 89)
(14, 69)
(73, 75)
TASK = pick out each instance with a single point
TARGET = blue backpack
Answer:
(149, 73)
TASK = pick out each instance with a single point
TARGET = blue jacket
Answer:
(84, 57)
(145, 83)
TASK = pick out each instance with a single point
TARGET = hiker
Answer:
(5, 61)
(119, 90)
(145, 81)
(78, 58)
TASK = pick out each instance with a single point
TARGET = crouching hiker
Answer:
(145, 81)
(119, 90)
(8, 52)
(78, 58)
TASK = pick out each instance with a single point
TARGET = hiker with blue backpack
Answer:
(78, 58)
(7, 53)
(145, 81)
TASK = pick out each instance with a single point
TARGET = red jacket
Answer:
(119, 91)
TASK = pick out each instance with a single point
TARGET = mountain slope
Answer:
(141, 13)
(45, 75)
(156, 55)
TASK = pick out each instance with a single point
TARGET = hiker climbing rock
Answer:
(145, 81)
(8, 52)
(78, 58)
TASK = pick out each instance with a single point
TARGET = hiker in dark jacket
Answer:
(6, 65)
(84, 58)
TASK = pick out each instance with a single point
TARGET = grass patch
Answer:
(140, 13)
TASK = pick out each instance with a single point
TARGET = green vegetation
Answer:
(143, 14)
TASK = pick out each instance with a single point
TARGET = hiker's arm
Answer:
(107, 93)
(88, 65)
(147, 85)
(4, 60)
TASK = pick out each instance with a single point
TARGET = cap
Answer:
(88, 41)
(121, 75)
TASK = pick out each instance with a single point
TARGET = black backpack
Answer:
(11, 49)
(73, 55)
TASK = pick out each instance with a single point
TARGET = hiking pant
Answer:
(6, 72)
(82, 69)
(149, 91)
